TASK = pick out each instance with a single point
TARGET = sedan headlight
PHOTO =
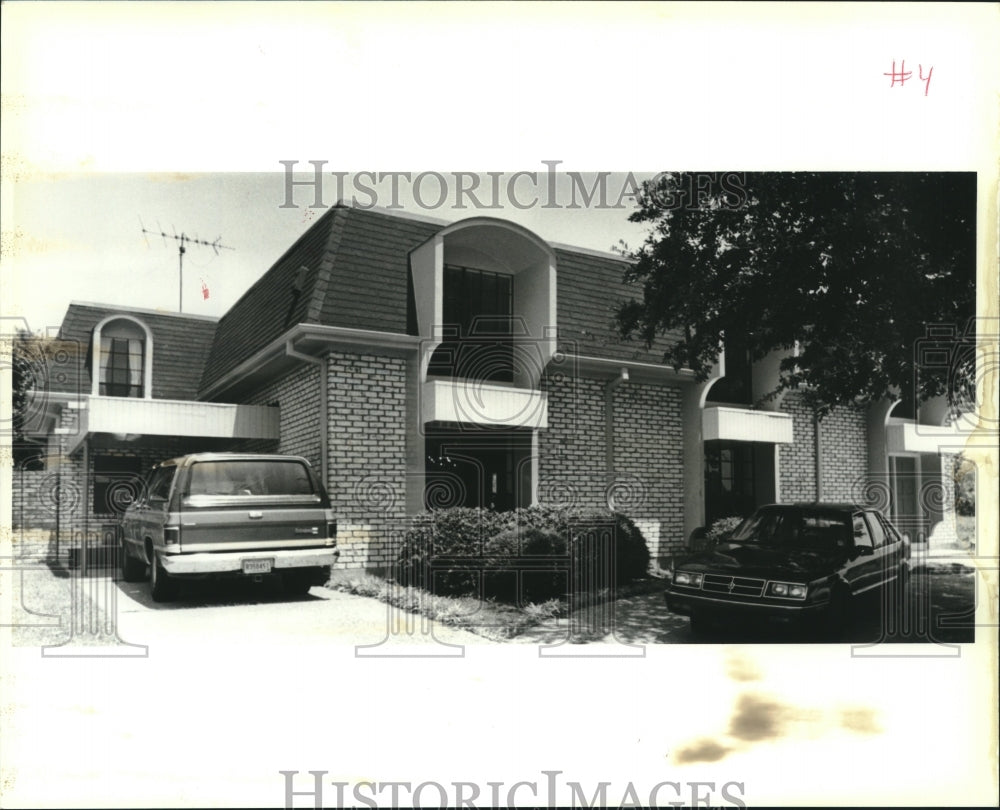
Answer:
(687, 578)
(787, 590)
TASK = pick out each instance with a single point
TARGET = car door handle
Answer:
(255, 515)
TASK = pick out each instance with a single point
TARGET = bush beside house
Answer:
(527, 555)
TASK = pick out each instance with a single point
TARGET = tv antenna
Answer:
(181, 240)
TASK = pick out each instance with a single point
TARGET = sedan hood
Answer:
(765, 562)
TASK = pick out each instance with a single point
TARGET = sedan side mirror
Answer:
(861, 551)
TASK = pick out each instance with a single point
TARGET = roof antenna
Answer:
(181, 250)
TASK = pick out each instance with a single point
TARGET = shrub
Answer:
(546, 518)
(540, 580)
(592, 548)
(964, 476)
(494, 541)
(721, 529)
(440, 535)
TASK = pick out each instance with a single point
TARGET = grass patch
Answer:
(496, 621)
(484, 617)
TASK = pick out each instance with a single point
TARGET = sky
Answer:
(80, 236)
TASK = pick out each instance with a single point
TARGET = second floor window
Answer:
(478, 309)
(736, 388)
(121, 371)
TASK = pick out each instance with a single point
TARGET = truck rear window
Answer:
(249, 477)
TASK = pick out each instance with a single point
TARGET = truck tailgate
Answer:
(207, 526)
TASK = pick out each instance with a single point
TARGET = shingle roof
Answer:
(357, 262)
(278, 299)
(180, 347)
(369, 282)
(589, 290)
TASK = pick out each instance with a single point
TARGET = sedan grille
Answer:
(737, 586)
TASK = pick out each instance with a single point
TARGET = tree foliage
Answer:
(24, 377)
(29, 373)
(851, 268)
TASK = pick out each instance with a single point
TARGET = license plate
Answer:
(258, 566)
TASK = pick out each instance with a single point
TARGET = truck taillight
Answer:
(331, 526)
(172, 535)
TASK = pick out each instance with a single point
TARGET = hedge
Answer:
(521, 556)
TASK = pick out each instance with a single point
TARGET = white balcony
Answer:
(476, 403)
(167, 417)
(743, 425)
(907, 437)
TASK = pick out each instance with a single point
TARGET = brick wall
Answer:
(367, 410)
(33, 505)
(572, 469)
(649, 462)
(797, 461)
(648, 483)
(297, 396)
(844, 448)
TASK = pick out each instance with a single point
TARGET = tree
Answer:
(28, 374)
(851, 268)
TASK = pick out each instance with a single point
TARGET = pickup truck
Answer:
(229, 514)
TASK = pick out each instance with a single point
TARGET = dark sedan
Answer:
(793, 564)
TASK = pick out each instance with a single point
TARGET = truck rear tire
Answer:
(298, 582)
(162, 586)
(129, 568)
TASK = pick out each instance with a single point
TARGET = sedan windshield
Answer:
(795, 528)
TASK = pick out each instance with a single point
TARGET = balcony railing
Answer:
(744, 425)
(907, 437)
(476, 403)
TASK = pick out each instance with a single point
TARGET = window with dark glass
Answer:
(121, 369)
(736, 387)
(158, 484)
(478, 309)
(250, 477)
(729, 480)
(117, 482)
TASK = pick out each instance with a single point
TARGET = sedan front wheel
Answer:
(836, 620)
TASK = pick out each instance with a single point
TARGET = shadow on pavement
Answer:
(938, 609)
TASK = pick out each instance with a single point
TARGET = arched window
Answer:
(483, 295)
(123, 348)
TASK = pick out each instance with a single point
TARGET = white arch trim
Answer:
(495, 222)
(147, 360)
(537, 306)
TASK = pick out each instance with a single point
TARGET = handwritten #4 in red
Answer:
(901, 76)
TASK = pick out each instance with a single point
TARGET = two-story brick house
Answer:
(417, 364)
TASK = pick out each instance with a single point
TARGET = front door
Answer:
(729, 480)
(489, 469)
